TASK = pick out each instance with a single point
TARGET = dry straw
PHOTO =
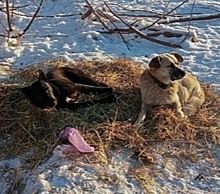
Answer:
(25, 128)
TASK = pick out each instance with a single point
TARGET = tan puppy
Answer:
(165, 83)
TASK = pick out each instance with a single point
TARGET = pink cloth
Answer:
(73, 136)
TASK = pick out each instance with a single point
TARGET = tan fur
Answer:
(183, 92)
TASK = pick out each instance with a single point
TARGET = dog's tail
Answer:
(87, 89)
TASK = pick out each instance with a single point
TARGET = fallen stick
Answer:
(129, 31)
(194, 18)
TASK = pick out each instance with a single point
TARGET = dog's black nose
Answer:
(182, 74)
(177, 74)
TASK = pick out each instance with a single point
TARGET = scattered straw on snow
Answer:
(107, 127)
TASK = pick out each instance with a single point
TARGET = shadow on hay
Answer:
(25, 127)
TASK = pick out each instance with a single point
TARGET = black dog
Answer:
(52, 89)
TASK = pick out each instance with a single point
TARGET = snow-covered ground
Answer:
(60, 32)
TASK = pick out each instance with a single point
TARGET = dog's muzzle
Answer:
(177, 74)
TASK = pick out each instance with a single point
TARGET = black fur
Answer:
(52, 89)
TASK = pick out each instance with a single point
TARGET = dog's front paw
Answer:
(141, 118)
(113, 97)
(116, 96)
(181, 114)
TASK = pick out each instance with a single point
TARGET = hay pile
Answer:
(26, 128)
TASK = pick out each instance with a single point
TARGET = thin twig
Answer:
(90, 7)
(189, 22)
(35, 3)
(141, 10)
(195, 18)
(17, 7)
(3, 26)
(120, 34)
(191, 15)
(2, 35)
(12, 10)
(46, 16)
(166, 6)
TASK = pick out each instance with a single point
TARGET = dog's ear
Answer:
(178, 56)
(155, 62)
(41, 76)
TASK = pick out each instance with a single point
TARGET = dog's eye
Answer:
(171, 65)
(48, 91)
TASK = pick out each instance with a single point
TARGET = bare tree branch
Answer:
(8, 16)
(194, 18)
(87, 14)
(158, 33)
(31, 21)
(141, 34)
